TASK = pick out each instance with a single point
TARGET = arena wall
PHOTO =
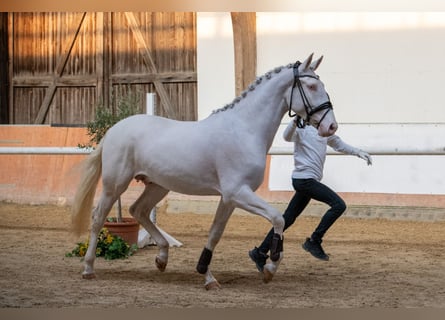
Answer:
(383, 73)
(43, 179)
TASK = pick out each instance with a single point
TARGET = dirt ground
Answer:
(374, 263)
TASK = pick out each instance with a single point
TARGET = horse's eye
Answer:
(312, 87)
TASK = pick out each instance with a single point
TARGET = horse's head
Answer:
(309, 100)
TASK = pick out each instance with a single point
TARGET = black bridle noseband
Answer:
(310, 111)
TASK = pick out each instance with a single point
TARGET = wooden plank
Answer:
(58, 73)
(11, 65)
(189, 96)
(107, 61)
(164, 77)
(148, 59)
(3, 67)
(244, 37)
(4, 54)
(46, 81)
(4, 115)
(99, 56)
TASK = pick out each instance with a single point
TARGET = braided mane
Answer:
(252, 86)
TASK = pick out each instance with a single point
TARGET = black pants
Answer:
(305, 190)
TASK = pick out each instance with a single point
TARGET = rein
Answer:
(310, 111)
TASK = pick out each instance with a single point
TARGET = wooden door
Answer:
(63, 65)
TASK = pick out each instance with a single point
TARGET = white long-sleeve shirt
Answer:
(310, 150)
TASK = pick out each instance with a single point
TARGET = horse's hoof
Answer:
(88, 276)
(214, 285)
(267, 275)
(161, 265)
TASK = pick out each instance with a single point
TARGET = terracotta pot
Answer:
(128, 229)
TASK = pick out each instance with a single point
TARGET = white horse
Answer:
(224, 154)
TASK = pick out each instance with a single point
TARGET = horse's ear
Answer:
(316, 63)
(307, 63)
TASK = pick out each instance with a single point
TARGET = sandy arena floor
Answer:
(374, 263)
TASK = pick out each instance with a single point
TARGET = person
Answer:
(309, 158)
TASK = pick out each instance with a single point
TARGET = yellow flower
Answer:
(105, 242)
(82, 251)
(109, 239)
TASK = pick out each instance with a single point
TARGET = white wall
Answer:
(385, 68)
(378, 67)
(407, 174)
(216, 71)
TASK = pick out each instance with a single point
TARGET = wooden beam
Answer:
(148, 59)
(65, 81)
(4, 57)
(11, 66)
(99, 57)
(107, 59)
(244, 38)
(164, 77)
(92, 80)
(60, 66)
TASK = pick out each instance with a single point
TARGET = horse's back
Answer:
(163, 150)
(139, 124)
(183, 156)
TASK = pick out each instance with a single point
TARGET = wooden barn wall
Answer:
(63, 65)
(4, 85)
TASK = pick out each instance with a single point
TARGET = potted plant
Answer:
(109, 246)
(125, 227)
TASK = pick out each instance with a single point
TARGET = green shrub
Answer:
(108, 246)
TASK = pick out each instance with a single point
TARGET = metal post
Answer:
(150, 110)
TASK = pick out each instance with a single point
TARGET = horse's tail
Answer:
(84, 197)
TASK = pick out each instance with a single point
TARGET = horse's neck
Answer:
(264, 107)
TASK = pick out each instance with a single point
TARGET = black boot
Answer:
(314, 248)
(259, 258)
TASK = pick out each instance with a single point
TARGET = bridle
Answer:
(310, 111)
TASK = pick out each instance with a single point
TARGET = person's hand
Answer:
(365, 156)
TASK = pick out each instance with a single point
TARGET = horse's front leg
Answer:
(246, 199)
(222, 215)
(276, 250)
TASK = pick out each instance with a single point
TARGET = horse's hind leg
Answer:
(100, 213)
(141, 209)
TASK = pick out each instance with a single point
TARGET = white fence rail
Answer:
(389, 151)
(407, 159)
(44, 150)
